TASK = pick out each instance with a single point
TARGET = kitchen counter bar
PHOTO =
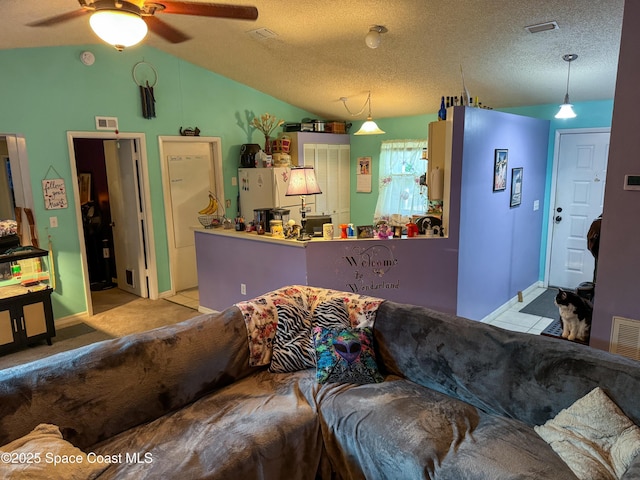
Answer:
(415, 270)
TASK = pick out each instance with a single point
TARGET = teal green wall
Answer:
(45, 92)
(416, 127)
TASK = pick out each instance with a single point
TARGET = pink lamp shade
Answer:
(303, 182)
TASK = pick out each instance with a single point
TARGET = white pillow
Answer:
(44, 454)
(593, 437)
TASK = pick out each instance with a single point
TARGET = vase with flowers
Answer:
(267, 123)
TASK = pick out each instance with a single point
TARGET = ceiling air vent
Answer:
(107, 123)
(542, 27)
(262, 34)
(625, 337)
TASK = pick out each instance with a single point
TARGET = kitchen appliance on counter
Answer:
(262, 188)
(248, 154)
(262, 219)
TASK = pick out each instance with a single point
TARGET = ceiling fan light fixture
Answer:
(118, 28)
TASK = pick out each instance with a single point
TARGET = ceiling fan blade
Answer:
(165, 30)
(47, 22)
(210, 10)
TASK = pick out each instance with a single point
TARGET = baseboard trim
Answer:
(70, 320)
(503, 308)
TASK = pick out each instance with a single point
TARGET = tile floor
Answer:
(189, 298)
(512, 319)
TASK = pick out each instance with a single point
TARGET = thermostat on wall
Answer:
(632, 182)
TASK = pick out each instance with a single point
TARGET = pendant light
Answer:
(566, 109)
(369, 127)
(119, 24)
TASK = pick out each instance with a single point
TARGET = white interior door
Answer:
(122, 180)
(579, 197)
(191, 169)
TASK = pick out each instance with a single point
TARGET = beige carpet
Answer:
(116, 313)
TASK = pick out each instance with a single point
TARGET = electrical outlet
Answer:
(243, 289)
(536, 205)
(227, 203)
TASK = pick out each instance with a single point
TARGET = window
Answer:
(400, 194)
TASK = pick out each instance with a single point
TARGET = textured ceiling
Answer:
(319, 54)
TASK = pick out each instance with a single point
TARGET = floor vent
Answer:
(625, 337)
(130, 278)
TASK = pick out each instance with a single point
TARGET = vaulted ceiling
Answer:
(318, 53)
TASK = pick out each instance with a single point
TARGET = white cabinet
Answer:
(332, 166)
(330, 155)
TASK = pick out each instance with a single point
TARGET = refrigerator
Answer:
(267, 188)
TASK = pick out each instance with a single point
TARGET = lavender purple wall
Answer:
(418, 271)
(499, 245)
(619, 258)
(224, 262)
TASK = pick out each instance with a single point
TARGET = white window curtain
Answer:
(400, 194)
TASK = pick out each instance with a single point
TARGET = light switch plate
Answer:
(53, 222)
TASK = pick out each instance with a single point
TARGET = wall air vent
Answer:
(542, 27)
(625, 337)
(107, 123)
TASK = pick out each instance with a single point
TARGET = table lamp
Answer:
(303, 182)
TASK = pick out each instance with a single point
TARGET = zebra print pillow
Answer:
(293, 347)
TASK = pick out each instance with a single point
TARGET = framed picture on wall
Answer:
(500, 169)
(516, 187)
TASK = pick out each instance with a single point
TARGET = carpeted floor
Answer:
(116, 313)
(543, 306)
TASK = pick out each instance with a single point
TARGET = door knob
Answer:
(558, 219)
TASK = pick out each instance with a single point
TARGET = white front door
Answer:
(126, 215)
(579, 196)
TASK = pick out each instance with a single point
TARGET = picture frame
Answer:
(84, 187)
(365, 231)
(500, 161)
(516, 187)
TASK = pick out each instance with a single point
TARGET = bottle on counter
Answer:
(351, 233)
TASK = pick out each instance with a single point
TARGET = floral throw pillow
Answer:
(345, 355)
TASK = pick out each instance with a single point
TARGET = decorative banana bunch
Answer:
(212, 208)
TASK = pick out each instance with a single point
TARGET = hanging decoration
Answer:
(147, 96)
(54, 191)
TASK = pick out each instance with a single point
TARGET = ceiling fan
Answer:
(134, 17)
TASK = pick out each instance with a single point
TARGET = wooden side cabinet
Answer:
(26, 315)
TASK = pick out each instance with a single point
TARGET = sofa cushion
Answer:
(345, 355)
(518, 375)
(398, 429)
(593, 437)
(44, 454)
(259, 427)
(292, 344)
(97, 391)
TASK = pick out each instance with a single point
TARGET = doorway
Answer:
(191, 169)
(110, 187)
(579, 174)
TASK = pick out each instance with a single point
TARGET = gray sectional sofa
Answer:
(459, 400)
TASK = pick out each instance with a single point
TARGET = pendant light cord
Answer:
(367, 101)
